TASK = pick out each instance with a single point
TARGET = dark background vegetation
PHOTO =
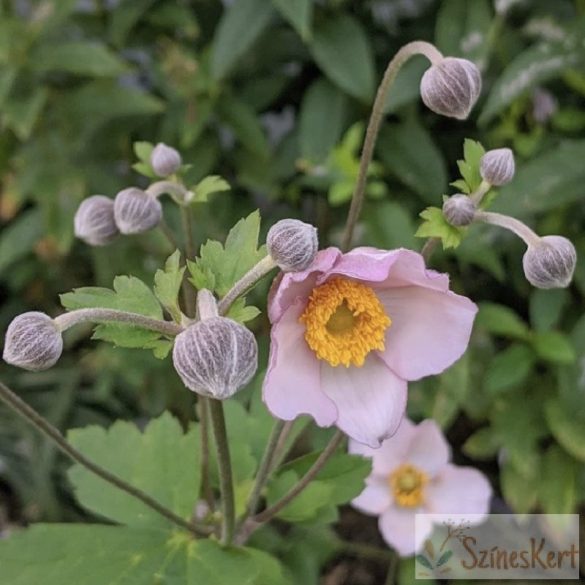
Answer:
(271, 95)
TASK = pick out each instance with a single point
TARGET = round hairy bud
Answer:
(292, 244)
(459, 210)
(33, 342)
(497, 167)
(550, 263)
(215, 357)
(136, 211)
(94, 221)
(165, 160)
(451, 87)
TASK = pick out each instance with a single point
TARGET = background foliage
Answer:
(274, 95)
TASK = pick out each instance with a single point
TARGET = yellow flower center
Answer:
(344, 322)
(407, 484)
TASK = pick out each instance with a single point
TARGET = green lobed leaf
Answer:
(153, 461)
(501, 320)
(483, 444)
(167, 285)
(509, 368)
(299, 13)
(143, 151)
(241, 312)
(554, 347)
(208, 186)
(435, 226)
(469, 166)
(219, 266)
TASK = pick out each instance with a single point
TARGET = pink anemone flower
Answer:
(349, 332)
(411, 474)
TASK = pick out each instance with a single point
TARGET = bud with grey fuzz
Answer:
(451, 87)
(459, 210)
(94, 221)
(33, 342)
(292, 244)
(550, 263)
(497, 167)
(215, 357)
(165, 160)
(136, 211)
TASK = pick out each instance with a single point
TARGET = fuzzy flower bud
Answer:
(165, 160)
(550, 263)
(215, 357)
(136, 211)
(94, 221)
(459, 210)
(292, 244)
(451, 87)
(33, 342)
(497, 167)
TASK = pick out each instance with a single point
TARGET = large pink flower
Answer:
(350, 331)
(411, 474)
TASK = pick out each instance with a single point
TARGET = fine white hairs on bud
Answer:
(550, 263)
(33, 342)
(215, 357)
(165, 160)
(136, 211)
(451, 87)
(94, 221)
(459, 210)
(292, 244)
(497, 167)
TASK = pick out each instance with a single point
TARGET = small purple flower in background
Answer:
(349, 332)
(412, 474)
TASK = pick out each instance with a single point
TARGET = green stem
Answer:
(391, 572)
(52, 433)
(168, 234)
(226, 483)
(320, 462)
(376, 117)
(366, 551)
(429, 247)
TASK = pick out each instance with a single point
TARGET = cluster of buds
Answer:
(100, 219)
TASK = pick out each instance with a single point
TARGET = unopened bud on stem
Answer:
(292, 244)
(459, 210)
(33, 342)
(497, 167)
(550, 263)
(136, 211)
(165, 160)
(94, 221)
(451, 87)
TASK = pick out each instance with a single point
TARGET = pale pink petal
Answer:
(397, 526)
(428, 448)
(292, 382)
(393, 451)
(376, 497)
(430, 330)
(295, 286)
(458, 490)
(370, 400)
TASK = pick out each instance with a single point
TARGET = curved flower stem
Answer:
(320, 462)
(282, 450)
(67, 320)
(226, 483)
(246, 283)
(478, 195)
(47, 429)
(509, 223)
(264, 470)
(376, 117)
(177, 191)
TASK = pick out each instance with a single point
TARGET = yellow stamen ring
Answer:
(344, 322)
(407, 483)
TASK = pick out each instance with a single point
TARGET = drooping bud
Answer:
(215, 357)
(459, 210)
(165, 160)
(94, 221)
(550, 263)
(451, 87)
(292, 244)
(497, 167)
(136, 211)
(33, 342)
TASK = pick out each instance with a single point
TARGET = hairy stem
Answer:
(320, 462)
(246, 283)
(47, 429)
(226, 483)
(376, 117)
(429, 247)
(168, 234)
(177, 191)
(67, 320)
(509, 223)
